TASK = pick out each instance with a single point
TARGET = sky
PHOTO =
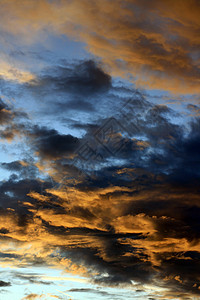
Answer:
(99, 149)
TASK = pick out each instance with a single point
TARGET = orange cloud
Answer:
(155, 42)
(33, 297)
(11, 73)
(134, 224)
(97, 221)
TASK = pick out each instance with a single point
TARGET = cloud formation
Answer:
(101, 183)
(134, 220)
(157, 43)
(85, 77)
(3, 283)
(11, 121)
(52, 145)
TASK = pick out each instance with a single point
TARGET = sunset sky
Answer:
(100, 149)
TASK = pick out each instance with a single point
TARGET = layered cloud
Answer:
(121, 207)
(156, 43)
(85, 77)
(98, 181)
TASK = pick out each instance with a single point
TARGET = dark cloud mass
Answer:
(3, 283)
(118, 222)
(86, 78)
(98, 182)
(52, 145)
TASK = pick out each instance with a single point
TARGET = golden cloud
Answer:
(156, 43)
(11, 73)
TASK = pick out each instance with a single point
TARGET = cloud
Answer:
(33, 297)
(194, 109)
(157, 44)
(11, 121)
(129, 211)
(3, 283)
(73, 88)
(51, 145)
(84, 78)
(133, 218)
(32, 278)
(94, 291)
(10, 73)
(5, 115)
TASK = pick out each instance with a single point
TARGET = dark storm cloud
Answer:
(73, 86)
(13, 193)
(84, 78)
(22, 169)
(170, 164)
(51, 144)
(135, 217)
(111, 259)
(13, 166)
(4, 283)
